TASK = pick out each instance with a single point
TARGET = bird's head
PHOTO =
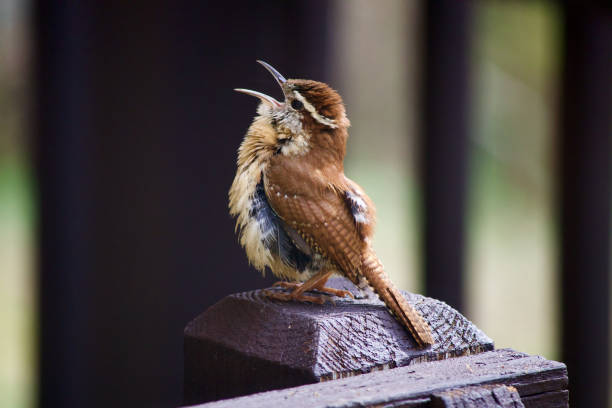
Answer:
(311, 114)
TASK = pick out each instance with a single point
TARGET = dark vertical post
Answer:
(444, 138)
(585, 189)
(63, 164)
(137, 128)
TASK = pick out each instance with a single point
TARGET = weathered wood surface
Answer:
(247, 343)
(485, 396)
(539, 383)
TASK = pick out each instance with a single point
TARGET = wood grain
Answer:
(485, 396)
(247, 343)
(539, 382)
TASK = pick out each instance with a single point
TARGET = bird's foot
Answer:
(335, 292)
(292, 296)
(323, 289)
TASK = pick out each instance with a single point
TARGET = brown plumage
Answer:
(298, 214)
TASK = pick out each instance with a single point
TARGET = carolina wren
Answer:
(297, 213)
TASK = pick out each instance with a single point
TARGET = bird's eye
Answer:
(296, 104)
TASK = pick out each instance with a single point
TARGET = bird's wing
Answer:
(324, 220)
(362, 208)
(336, 223)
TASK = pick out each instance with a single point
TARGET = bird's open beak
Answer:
(266, 98)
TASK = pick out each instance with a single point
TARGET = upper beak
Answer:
(279, 78)
(266, 98)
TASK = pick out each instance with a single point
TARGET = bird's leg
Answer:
(287, 285)
(317, 282)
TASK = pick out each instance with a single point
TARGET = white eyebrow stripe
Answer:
(313, 112)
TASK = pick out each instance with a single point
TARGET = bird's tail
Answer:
(403, 311)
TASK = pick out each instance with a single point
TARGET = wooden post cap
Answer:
(247, 343)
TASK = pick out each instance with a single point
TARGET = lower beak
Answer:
(266, 98)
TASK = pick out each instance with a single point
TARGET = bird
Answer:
(297, 214)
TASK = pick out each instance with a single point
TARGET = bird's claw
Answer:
(336, 292)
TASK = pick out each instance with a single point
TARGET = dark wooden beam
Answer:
(537, 381)
(444, 139)
(137, 127)
(585, 127)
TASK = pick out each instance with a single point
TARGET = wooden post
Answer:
(585, 190)
(444, 141)
(247, 343)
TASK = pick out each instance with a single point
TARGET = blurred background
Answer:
(118, 138)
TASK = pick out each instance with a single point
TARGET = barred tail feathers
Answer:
(403, 311)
